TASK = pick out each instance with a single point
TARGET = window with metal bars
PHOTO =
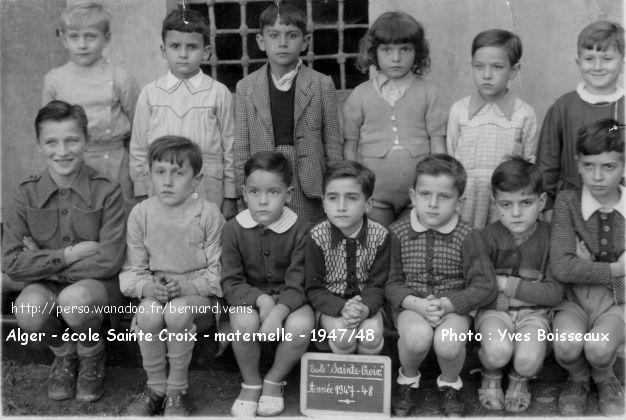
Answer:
(336, 27)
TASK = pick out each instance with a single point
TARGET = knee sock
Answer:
(154, 363)
(66, 349)
(179, 354)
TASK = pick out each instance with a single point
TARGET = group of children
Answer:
(428, 220)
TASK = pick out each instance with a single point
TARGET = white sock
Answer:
(404, 380)
(458, 384)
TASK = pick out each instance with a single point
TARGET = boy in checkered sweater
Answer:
(587, 254)
(429, 295)
(346, 262)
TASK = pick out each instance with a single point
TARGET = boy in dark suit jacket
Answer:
(290, 108)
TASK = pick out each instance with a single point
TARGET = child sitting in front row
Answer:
(588, 256)
(263, 270)
(492, 123)
(427, 287)
(64, 237)
(186, 102)
(172, 265)
(517, 248)
(346, 263)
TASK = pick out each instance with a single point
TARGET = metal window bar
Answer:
(341, 56)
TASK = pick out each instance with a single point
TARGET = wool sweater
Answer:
(258, 261)
(525, 264)
(338, 268)
(432, 263)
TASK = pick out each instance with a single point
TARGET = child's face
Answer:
(173, 183)
(85, 45)
(266, 194)
(492, 71)
(601, 174)
(519, 210)
(282, 44)
(395, 60)
(184, 52)
(63, 145)
(436, 200)
(345, 204)
(600, 69)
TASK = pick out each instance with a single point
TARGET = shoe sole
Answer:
(90, 398)
(60, 397)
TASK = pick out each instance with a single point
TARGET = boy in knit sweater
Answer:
(346, 263)
(427, 289)
(587, 254)
(517, 246)
(263, 272)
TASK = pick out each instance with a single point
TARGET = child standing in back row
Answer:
(290, 108)
(107, 93)
(601, 63)
(187, 102)
(395, 118)
(492, 123)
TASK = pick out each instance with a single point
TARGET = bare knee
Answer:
(76, 298)
(41, 304)
(245, 322)
(176, 318)
(150, 316)
(567, 351)
(598, 354)
(527, 364)
(497, 353)
(448, 350)
(417, 339)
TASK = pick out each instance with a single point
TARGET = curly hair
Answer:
(394, 28)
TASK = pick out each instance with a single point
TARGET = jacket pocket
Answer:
(87, 223)
(42, 223)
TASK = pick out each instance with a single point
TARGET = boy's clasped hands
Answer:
(165, 289)
(354, 312)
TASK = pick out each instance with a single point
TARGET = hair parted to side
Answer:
(175, 149)
(350, 169)
(442, 164)
(61, 111)
(394, 28)
(188, 21)
(82, 15)
(517, 174)
(601, 136)
(274, 162)
(510, 42)
(286, 13)
(602, 35)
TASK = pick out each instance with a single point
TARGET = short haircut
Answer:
(175, 149)
(61, 111)
(510, 42)
(515, 174)
(442, 164)
(287, 13)
(601, 136)
(350, 169)
(600, 36)
(394, 28)
(274, 162)
(188, 21)
(82, 15)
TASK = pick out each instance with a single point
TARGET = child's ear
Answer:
(163, 54)
(207, 52)
(260, 42)
(413, 197)
(289, 195)
(305, 42)
(542, 201)
(516, 69)
(459, 204)
(368, 204)
(197, 179)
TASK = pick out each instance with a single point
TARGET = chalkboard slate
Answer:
(333, 384)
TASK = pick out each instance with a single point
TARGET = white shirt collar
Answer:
(284, 83)
(592, 98)
(445, 229)
(589, 205)
(282, 225)
(391, 90)
(172, 80)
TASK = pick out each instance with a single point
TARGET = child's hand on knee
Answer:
(265, 303)
(157, 290)
(173, 288)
